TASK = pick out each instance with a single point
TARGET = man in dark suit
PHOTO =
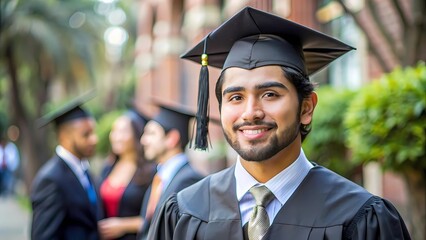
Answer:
(164, 141)
(64, 200)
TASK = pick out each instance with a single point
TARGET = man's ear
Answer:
(63, 133)
(307, 108)
(173, 138)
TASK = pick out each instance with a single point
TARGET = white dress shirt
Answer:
(77, 166)
(168, 170)
(282, 186)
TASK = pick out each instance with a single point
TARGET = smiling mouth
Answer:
(255, 131)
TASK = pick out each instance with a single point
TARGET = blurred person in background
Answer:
(164, 141)
(64, 200)
(9, 162)
(125, 178)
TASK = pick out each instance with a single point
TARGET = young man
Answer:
(164, 141)
(266, 103)
(64, 199)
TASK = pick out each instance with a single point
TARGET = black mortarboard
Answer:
(68, 112)
(174, 117)
(253, 38)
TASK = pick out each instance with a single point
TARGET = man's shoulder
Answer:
(185, 176)
(188, 170)
(52, 170)
(337, 199)
(331, 180)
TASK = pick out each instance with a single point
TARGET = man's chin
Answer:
(255, 160)
(149, 157)
(90, 154)
(258, 152)
(253, 154)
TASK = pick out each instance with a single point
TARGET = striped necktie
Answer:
(259, 221)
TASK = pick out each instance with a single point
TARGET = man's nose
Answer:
(252, 110)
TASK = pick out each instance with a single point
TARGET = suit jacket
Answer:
(185, 176)
(324, 206)
(61, 206)
(131, 201)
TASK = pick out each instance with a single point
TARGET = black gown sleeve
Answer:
(48, 211)
(377, 219)
(172, 223)
(162, 227)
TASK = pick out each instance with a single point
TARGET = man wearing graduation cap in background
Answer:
(266, 103)
(64, 199)
(164, 140)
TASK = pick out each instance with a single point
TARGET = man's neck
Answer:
(168, 155)
(67, 149)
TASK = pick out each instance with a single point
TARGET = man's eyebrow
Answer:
(260, 86)
(270, 85)
(232, 89)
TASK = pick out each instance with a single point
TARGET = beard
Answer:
(82, 151)
(256, 153)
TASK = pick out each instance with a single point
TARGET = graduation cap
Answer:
(72, 110)
(174, 117)
(253, 38)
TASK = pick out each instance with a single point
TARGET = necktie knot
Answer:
(262, 195)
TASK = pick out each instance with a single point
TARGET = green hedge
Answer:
(325, 145)
(103, 129)
(387, 120)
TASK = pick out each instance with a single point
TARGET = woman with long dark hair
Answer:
(125, 178)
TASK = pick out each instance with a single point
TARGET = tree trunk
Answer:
(416, 184)
(33, 147)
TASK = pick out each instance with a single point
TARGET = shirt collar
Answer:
(168, 169)
(289, 178)
(77, 165)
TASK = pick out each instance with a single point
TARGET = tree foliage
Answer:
(326, 144)
(103, 130)
(387, 120)
(44, 43)
(387, 124)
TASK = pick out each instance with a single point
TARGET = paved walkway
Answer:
(14, 220)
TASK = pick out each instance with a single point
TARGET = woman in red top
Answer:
(125, 179)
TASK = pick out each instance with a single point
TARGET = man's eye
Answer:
(235, 98)
(270, 94)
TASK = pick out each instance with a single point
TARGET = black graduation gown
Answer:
(61, 206)
(324, 206)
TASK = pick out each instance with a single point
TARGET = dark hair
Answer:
(301, 82)
(145, 169)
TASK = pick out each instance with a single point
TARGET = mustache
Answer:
(236, 126)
